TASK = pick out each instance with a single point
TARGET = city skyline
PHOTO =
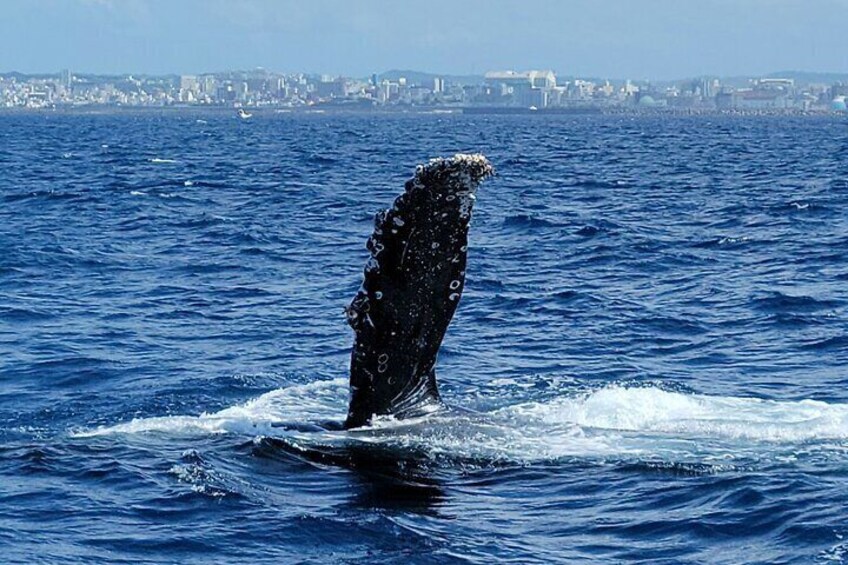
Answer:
(654, 39)
(497, 91)
(817, 75)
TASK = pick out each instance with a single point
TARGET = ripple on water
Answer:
(652, 306)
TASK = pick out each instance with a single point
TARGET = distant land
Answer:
(800, 77)
(423, 77)
(407, 90)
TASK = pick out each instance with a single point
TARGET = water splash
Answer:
(613, 423)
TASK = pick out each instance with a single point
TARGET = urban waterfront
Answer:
(416, 91)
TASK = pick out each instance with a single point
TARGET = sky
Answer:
(637, 39)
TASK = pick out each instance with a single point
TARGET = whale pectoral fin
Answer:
(413, 282)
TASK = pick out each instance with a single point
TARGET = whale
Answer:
(412, 285)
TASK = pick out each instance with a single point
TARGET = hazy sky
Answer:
(606, 38)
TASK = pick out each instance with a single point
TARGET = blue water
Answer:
(654, 336)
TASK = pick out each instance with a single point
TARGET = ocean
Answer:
(652, 344)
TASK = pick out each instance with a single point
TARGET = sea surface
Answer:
(652, 345)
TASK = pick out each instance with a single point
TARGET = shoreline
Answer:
(424, 110)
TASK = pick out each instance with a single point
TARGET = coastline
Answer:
(333, 109)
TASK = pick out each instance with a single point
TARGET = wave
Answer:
(613, 423)
(263, 415)
(781, 302)
(729, 241)
(528, 222)
(650, 409)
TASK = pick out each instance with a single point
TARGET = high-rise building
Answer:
(208, 84)
(533, 79)
(189, 83)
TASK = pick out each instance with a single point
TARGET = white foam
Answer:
(655, 410)
(611, 423)
(162, 161)
(260, 416)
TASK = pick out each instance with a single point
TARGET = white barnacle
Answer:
(371, 265)
(453, 297)
(466, 203)
(454, 285)
(378, 295)
(383, 359)
(464, 248)
(398, 221)
(435, 245)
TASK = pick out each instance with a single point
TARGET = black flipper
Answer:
(413, 282)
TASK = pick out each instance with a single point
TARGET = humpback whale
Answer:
(412, 284)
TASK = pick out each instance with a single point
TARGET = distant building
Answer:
(629, 89)
(189, 82)
(838, 89)
(526, 88)
(774, 84)
(520, 89)
(751, 99)
(581, 89)
(708, 88)
(189, 88)
(67, 79)
(209, 84)
(525, 79)
(333, 88)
